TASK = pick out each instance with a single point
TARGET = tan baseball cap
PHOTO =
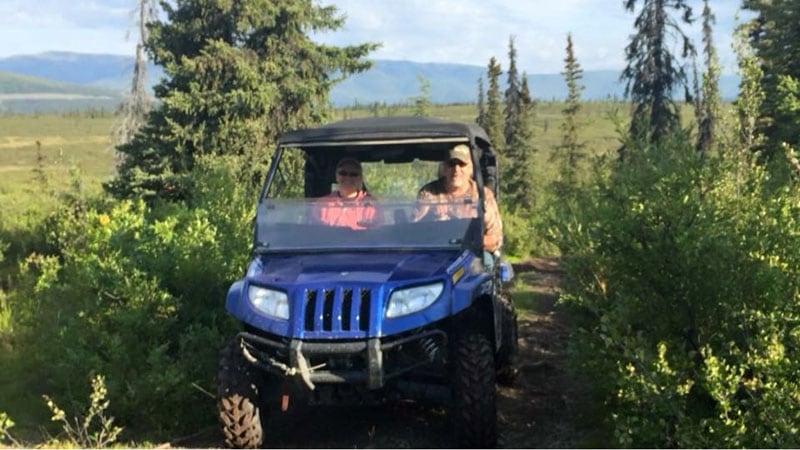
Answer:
(348, 161)
(461, 153)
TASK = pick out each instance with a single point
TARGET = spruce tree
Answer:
(775, 37)
(481, 118)
(697, 99)
(236, 75)
(494, 111)
(512, 98)
(571, 148)
(709, 100)
(422, 102)
(518, 136)
(652, 71)
(749, 102)
(519, 194)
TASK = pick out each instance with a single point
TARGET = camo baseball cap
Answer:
(461, 153)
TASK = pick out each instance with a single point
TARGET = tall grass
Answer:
(36, 148)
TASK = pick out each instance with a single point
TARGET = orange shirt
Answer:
(356, 213)
(435, 192)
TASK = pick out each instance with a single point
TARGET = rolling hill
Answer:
(387, 82)
(26, 94)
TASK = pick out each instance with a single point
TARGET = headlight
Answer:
(411, 300)
(270, 302)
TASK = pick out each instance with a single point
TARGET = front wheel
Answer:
(507, 357)
(474, 409)
(238, 400)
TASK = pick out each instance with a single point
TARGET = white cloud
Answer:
(97, 26)
(454, 31)
(472, 31)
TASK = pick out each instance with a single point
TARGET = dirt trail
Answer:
(539, 411)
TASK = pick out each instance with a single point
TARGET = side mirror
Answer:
(506, 271)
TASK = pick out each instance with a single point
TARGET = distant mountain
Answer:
(387, 81)
(397, 81)
(109, 71)
(24, 93)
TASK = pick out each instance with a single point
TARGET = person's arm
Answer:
(424, 197)
(493, 233)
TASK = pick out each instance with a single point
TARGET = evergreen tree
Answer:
(512, 98)
(775, 38)
(481, 119)
(494, 112)
(518, 177)
(422, 102)
(751, 93)
(652, 71)
(236, 75)
(709, 98)
(518, 136)
(697, 98)
(375, 109)
(571, 148)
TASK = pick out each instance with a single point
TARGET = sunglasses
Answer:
(456, 162)
(345, 173)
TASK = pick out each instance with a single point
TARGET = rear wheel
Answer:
(238, 400)
(473, 410)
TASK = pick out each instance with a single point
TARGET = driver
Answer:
(455, 184)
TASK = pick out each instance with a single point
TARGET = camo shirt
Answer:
(435, 192)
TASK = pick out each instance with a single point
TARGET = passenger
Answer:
(350, 205)
(456, 183)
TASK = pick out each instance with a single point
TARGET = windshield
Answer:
(325, 224)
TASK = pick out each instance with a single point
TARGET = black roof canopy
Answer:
(399, 139)
(366, 131)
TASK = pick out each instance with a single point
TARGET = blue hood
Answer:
(350, 267)
(345, 295)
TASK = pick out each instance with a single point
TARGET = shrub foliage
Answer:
(684, 275)
(135, 293)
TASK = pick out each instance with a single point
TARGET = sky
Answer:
(446, 31)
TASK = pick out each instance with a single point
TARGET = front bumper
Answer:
(371, 362)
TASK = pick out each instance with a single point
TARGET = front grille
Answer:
(337, 310)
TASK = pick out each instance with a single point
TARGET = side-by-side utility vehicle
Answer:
(404, 307)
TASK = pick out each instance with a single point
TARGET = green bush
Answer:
(519, 237)
(683, 274)
(137, 293)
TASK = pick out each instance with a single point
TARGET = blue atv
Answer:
(403, 307)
